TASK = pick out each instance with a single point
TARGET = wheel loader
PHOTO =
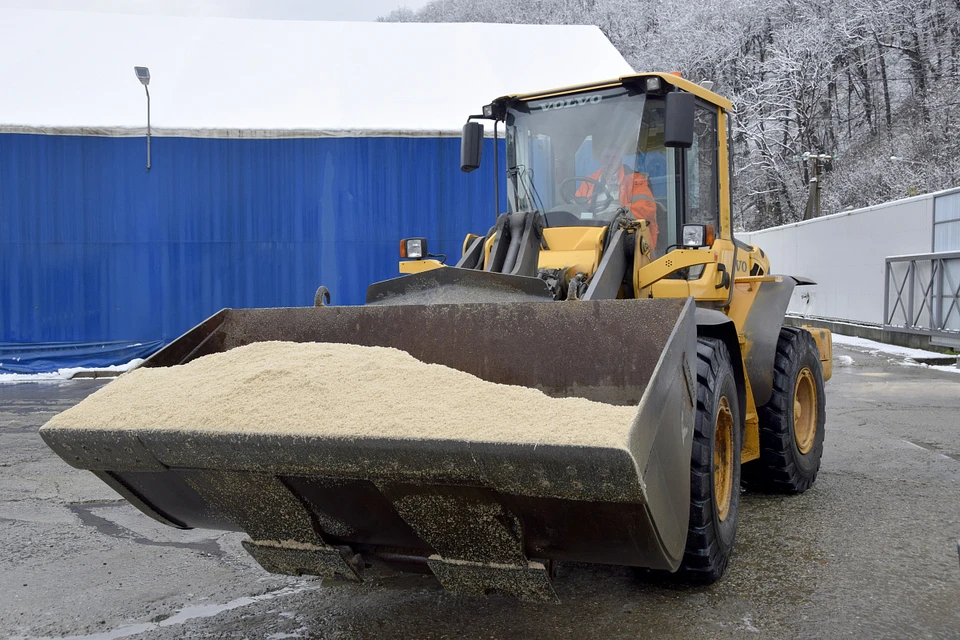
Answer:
(637, 295)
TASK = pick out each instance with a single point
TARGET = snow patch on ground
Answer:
(938, 367)
(906, 356)
(873, 348)
(65, 374)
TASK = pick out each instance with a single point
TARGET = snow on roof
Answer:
(72, 72)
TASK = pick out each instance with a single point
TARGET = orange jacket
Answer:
(635, 195)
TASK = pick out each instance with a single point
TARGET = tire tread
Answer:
(776, 471)
(705, 559)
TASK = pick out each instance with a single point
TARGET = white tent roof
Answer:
(72, 72)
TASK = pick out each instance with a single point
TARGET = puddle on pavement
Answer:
(183, 615)
(85, 511)
(932, 448)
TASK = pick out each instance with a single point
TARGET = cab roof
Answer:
(670, 78)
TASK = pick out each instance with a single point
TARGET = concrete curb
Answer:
(879, 334)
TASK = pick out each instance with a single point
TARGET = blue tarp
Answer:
(95, 249)
(41, 357)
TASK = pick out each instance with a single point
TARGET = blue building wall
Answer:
(95, 249)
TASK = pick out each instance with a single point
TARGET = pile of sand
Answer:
(344, 391)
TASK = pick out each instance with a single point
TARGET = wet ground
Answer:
(869, 552)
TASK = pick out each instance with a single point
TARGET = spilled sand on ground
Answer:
(342, 391)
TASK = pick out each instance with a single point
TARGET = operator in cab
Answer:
(614, 177)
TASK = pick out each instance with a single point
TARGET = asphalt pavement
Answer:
(869, 552)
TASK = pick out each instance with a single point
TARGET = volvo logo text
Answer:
(577, 101)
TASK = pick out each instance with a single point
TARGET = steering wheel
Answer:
(592, 201)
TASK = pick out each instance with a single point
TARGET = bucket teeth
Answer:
(529, 581)
(479, 541)
(260, 504)
(470, 525)
(297, 559)
(285, 533)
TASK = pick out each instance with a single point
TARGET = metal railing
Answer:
(921, 294)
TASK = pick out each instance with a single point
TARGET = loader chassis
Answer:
(572, 291)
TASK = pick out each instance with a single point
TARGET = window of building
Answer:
(946, 223)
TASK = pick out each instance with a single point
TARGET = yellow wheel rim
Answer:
(723, 458)
(805, 411)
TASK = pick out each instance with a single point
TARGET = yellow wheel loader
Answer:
(616, 280)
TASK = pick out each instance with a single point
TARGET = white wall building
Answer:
(845, 253)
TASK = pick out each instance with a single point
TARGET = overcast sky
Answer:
(359, 10)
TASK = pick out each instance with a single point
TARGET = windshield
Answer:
(582, 159)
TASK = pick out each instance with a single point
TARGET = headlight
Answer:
(697, 235)
(693, 235)
(413, 248)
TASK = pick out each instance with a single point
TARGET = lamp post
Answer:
(817, 160)
(143, 75)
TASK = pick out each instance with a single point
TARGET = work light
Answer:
(697, 235)
(413, 248)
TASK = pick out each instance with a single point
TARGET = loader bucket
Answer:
(482, 516)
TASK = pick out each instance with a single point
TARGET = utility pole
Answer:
(817, 161)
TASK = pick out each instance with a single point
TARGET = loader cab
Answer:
(574, 157)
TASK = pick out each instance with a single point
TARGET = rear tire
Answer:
(714, 467)
(792, 422)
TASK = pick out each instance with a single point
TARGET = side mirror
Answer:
(471, 144)
(678, 120)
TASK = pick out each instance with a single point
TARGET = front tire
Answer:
(792, 422)
(714, 467)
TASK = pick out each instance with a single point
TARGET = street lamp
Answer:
(818, 160)
(143, 75)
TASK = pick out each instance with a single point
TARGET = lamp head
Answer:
(143, 75)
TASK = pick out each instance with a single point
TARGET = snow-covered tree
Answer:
(873, 83)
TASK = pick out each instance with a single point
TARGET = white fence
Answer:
(846, 254)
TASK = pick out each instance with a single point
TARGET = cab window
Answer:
(702, 188)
